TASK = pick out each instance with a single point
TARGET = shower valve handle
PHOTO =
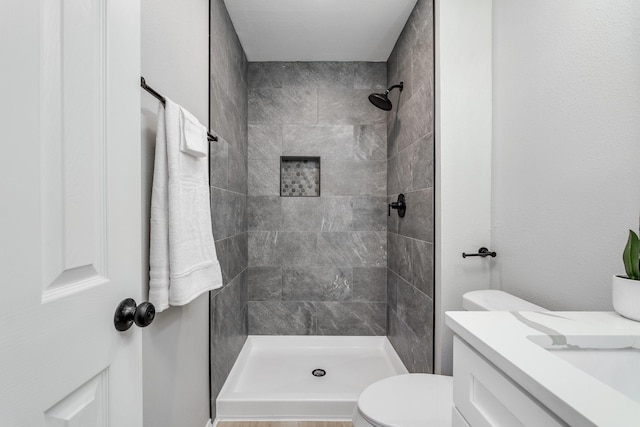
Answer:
(400, 206)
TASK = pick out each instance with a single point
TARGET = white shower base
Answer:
(272, 378)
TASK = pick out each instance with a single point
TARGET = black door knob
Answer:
(128, 313)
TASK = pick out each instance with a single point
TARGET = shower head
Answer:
(381, 100)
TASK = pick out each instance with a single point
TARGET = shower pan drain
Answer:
(319, 372)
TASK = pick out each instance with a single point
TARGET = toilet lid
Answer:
(411, 400)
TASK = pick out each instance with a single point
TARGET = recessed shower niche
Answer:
(299, 176)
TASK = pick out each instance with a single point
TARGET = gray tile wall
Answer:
(410, 159)
(228, 97)
(317, 265)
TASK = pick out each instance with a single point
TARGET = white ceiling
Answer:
(319, 30)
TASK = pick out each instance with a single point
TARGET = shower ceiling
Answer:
(318, 30)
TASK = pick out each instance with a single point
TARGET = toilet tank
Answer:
(493, 300)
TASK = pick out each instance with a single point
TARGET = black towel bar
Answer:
(482, 252)
(160, 98)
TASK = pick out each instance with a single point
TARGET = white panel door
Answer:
(70, 245)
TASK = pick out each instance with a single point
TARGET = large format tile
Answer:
(415, 352)
(371, 75)
(282, 248)
(369, 213)
(394, 126)
(422, 158)
(355, 249)
(422, 60)
(370, 284)
(227, 119)
(296, 249)
(217, 120)
(264, 283)
(238, 254)
(317, 284)
(393, 220)
(219, 164)
(226, 343)
(399, 336)
(415, 309)
(265, 141)
(273, 106)
(410, 171)
(350, 318)
(399, 255)
(229, 302)
(228, 330)
(266, 74)
(326, 141)
(370, 142)
(281, 318)
(325, 74)
(422, 266)
(263, 247)
(347, 177)
(228, 213)
(347, 106)
(392, 290)
(421, 19)
(418, 222)
(337, 214)
(301, 213)
(416, 118)
(399, 172)
(264, 177)
(237, 171)
(263, 213)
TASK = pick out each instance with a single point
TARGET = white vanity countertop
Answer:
(579, 399)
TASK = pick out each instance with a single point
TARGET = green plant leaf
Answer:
(631, 256)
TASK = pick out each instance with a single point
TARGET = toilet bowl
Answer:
(425, 400)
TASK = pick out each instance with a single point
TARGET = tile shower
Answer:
(410, 170)
(317, 264)
(334, 264)
(228, 167)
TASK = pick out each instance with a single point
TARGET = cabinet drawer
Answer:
(486, 397)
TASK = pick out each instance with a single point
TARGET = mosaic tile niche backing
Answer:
(300, 176)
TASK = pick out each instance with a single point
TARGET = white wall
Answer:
(463, 158)
(566, 148)
(175, 61)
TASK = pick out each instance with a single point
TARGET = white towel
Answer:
(193, 135)
(182, 257)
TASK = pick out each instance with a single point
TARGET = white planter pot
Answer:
(626, 297)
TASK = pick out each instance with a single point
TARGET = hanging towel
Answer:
(193, 135)
(182, 257)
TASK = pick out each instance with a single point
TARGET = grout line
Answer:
(411, 238)
(410, 284)
(230, 191)
(230, 237)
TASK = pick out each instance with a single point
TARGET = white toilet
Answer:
(425, 400)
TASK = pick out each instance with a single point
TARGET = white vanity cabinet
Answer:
(485, 396)
(539, 369)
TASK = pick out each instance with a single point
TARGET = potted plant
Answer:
(626, 289)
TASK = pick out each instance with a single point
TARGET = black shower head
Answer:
(381, 100)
